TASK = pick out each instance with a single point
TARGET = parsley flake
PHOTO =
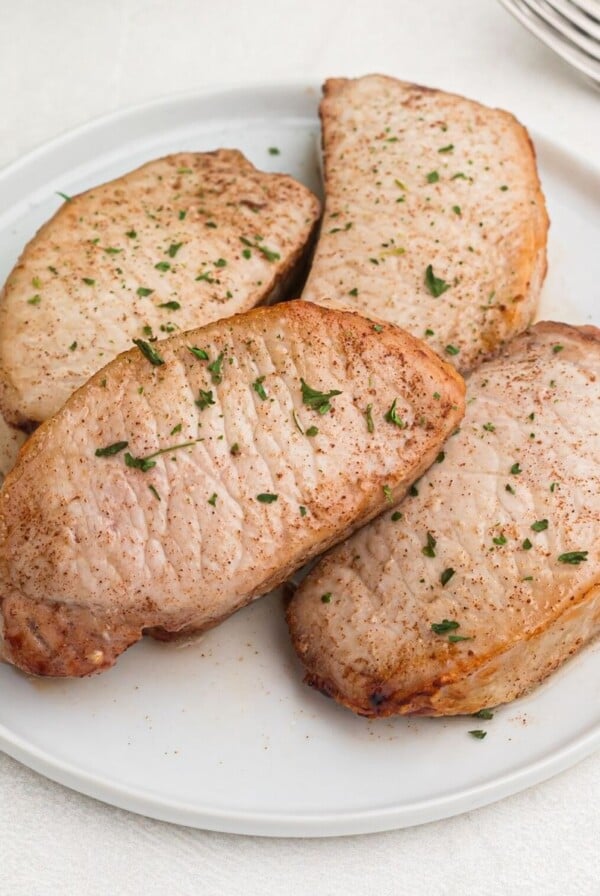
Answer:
(111, 450)
(391, 416)
(447, 575)
(435, 285)
(574, 558)
(318, 401)
(266, 498)
(429, 549)
(150, 353)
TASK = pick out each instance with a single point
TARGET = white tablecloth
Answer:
(66, 61)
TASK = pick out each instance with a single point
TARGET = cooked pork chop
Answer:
(174, 245)
(481, 584)
(434, 217)
(228, 456)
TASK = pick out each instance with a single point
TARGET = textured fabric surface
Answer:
(65, 62)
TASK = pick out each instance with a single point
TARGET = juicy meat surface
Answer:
(500, 550)
(178, 243)
(223, 474)
(434, 216)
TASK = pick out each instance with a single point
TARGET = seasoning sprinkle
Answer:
(150, 353)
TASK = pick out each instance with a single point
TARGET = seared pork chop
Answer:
(173, 245)
(434, 216)
(192, 475)
(487, 577)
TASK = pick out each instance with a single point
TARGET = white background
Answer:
(66, 61)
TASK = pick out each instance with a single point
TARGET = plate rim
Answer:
(256, 823)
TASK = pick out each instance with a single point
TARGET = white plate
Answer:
(223, 734)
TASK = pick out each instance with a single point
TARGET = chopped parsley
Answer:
(312, 431)
(73, 346)
(441, 457)
(486, 714)
(527, 545)
(34, 300)
(144, 291)
(456, 209)
(213, 499)
(172, 306)
(326, 598)
(557, 348)
(509, 488)
(173, 249)
(131, 234)
(216, 374)
(147, 463)
(499, 539)
(150, 353)
(489, 427)
(539, 525)
(429, 549)
(235, 449)
(246, 253)
(199, 353)
(162, 266)
(433, 177)
(391, 416)
(388, 494)
(447, 575)
(413, 491)
(204, 399)
(154, 492)
(451, 350)
(258, 387)
(574, 558)
(454, 639)
(303, 510)
(220, 263)
(369, 418)
(445, 626)
(478, 733)
(176, 429)
(64, 196)
(111, 450)
(110, 250)
(516, 469)
(396, 516)
(435, 285)
(266, 498)
(89, 281)
(353, 292)
(274, 151)
(378, 328)
(448, 148)
(318, 401)
(182, 214)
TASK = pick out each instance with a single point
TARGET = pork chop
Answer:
(434, 216)
(190, 476)
(487, 577)
(176, 244)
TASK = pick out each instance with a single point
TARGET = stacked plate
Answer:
(569, 27)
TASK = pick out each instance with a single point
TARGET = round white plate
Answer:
(222, 734)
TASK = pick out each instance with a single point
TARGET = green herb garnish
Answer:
(199, 353)
(478, 733)
(312, 431)
(172, 306)
(204, 399)
(150, 353)
(433, 177)
(144, 291)
(391, 416)
(447, 575)
(216, 374)
(154, 492)
(486, 714)
(396, 516)
(574, 558)
(162, 266)
(429, 549)
(258, 387)
(516, 469)
(173, 249)
(527, 545)
(318, 401)
(326, 598)
(266, 498)
(539, 525)
(213, 499)
(435, 285)
(451, 350)
(369, 418)
(111, 450)
(445, 626)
